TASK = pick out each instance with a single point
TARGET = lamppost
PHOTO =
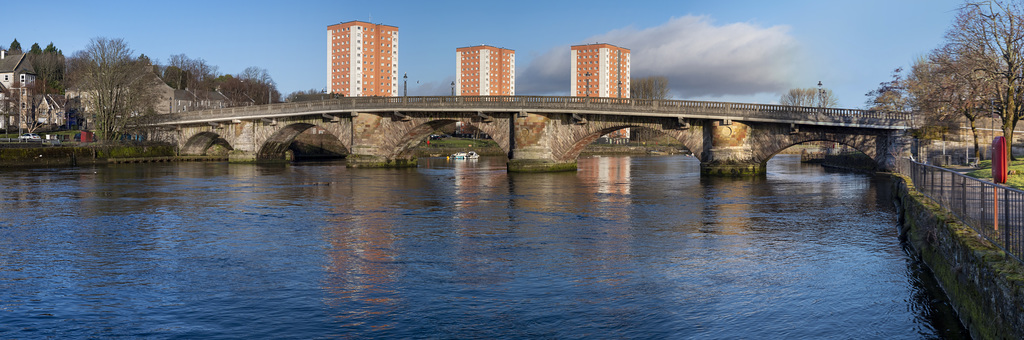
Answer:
(453, 88)
(270, 91)
(587, 89)
(821, 95)
(405, 84)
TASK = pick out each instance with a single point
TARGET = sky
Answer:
(716, 50)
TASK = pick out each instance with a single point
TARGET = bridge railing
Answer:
(994, 211)
(517, 103)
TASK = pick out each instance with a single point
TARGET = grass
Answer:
(460, 143)
(1015, 180)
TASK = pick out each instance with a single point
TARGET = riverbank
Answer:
(984, 285)
(58, 156)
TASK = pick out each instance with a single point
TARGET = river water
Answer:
(627, 247)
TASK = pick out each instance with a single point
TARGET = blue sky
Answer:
(746, 51)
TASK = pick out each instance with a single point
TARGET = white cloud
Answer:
(699, 58)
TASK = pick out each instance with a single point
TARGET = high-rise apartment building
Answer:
(485, 71)
(362, 59)
(600, 70)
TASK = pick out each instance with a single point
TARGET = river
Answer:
(627, 247)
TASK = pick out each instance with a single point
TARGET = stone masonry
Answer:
(549, 138)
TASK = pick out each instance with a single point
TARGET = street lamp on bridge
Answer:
(453, 88)
(405, 84)
(821, 95)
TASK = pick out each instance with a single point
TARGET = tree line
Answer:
(119, 85)
(977, 72)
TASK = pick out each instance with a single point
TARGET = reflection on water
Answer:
(637, 247)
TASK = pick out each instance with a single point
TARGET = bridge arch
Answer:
(769, 143)
(279, 143)
(414, 135)
(389, 137)
(206, 143)
(586, 132)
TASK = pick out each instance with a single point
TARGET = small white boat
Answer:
(465, 155)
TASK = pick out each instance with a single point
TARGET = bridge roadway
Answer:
(538, 133)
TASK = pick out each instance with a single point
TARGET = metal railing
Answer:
(893, 120)
(994, 211)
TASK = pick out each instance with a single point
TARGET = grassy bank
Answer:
(1014, 180)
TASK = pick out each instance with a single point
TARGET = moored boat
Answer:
(465, 155)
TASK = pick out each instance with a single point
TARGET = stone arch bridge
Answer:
(537, 133)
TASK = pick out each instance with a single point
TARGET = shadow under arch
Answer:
(869, 151)
(303, 140)
(690, 139)
(406, 145)
(206, 144)
(648, 136)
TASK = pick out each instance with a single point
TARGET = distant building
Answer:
(16, 74)
(362, 59)
(51, 110)
(170, 100)
(600, 70)
(485, 71)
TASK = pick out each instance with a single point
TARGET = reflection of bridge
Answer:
(537, 133)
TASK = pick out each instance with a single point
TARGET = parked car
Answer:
(30, 137)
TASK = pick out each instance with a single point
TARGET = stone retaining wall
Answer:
(985, 286)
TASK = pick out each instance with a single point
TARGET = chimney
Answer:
(3, 54)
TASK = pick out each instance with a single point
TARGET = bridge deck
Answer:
(579, 105)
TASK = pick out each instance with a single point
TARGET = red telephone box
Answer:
(1000, 163)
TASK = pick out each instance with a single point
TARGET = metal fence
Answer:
(995, 211)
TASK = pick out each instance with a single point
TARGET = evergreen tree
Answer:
(51, 49)
(50, 67)
(15, 47)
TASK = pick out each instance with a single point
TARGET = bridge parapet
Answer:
(588, 105)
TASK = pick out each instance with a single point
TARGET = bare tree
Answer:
(947, 86)
(798, 97)
(653, 87)
(34, 97)
(259, 85)
(890, 95)
(117, 86)
(14, 102)
(816, 97)
(195, 76)
(990, 35)
(311, 94)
